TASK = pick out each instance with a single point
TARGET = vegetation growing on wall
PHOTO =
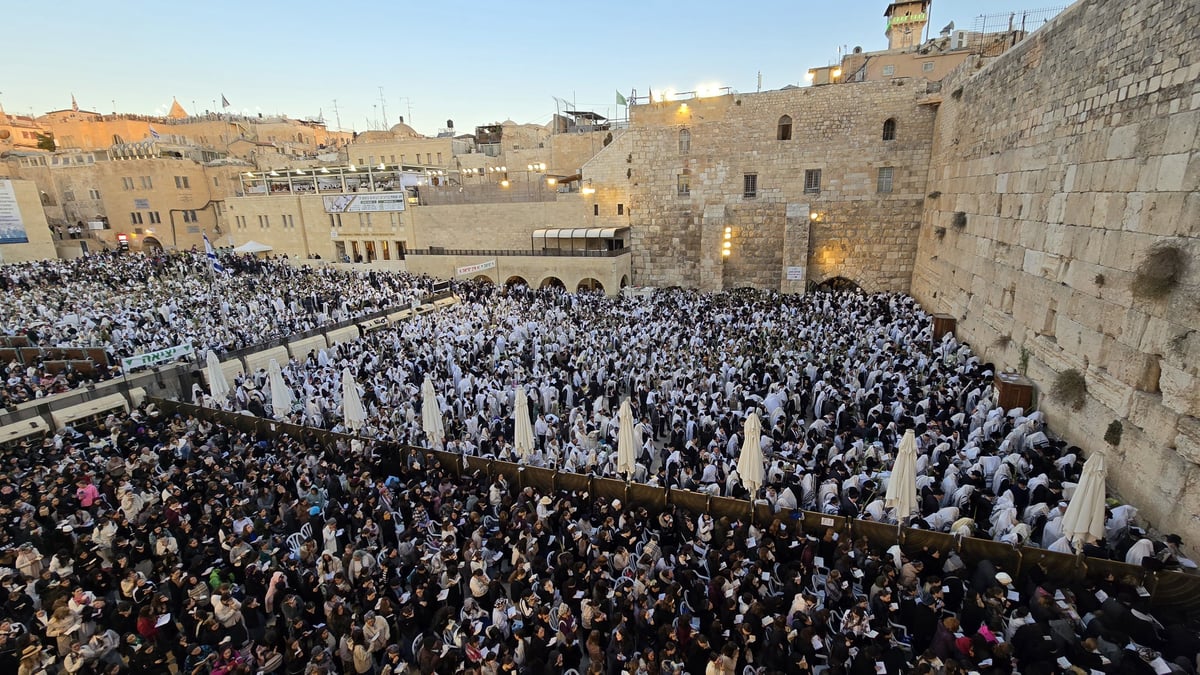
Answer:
(1159, 273)
(1070, 387)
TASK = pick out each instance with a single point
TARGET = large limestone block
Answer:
(1180, 389)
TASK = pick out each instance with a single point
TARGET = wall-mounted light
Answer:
(836, 72)
(810, 75)
(814, 216)
(588, 190)
(504, 183)
(551, 182)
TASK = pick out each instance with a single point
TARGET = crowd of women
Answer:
(160, 543)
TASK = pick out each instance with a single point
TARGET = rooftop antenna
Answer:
(760, 80)
(336, 116)
(383, 107)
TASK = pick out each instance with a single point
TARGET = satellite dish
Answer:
(449, 124)
(858, 50)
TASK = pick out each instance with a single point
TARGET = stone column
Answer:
(712, 267)
(795, 249)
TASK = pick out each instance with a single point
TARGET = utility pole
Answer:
(336, 116)
(383, 107)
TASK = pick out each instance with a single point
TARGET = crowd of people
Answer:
(158, 543)
(836, 378)
(164, 543)
(131, 304)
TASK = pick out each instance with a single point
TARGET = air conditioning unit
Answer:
(958, 39)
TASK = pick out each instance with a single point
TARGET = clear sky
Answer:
(472, 62)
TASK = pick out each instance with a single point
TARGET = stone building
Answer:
(809, 183)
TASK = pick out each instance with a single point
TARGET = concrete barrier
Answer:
(348, 334)
(260, 359)
(300, 348)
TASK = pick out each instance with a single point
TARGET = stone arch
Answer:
(837, 285)
(589, 284)
(552, 282)
(889, 129)
(516, 280)
(783, 131)
(151, 244)
(484, 278)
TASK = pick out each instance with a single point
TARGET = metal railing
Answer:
(545, 253)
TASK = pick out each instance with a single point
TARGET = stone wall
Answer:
(1061, 166)
(678, 233)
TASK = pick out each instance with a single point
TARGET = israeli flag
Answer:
(212, 256)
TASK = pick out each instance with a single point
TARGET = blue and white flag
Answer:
(154, 133)
(212, 256)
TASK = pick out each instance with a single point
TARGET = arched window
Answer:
(785, 129)
(685, 141)
(889, 129)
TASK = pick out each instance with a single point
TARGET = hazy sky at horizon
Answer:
(474, 65)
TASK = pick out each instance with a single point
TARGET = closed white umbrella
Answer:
(1083, 523)
(218, 386)
(902, 486)
(353, 412)
(750, 461)
(626, 445)
(281, 394)
(431, 416)
(523, 429)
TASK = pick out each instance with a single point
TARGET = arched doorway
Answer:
(151, 245)
(624, 280)
(516, 281)
(552, 282)
(484, 278)
(589, 284)
(837, 285)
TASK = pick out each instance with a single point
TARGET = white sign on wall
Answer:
(473, 269)
(12, 228)
(795, 273)
(374, 202)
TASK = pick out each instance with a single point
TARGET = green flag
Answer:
(621, 99)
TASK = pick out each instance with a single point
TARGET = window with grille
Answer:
(685, 141)
(750, 186)
(889, 129)
(683, 183)
(812, 181)
(884, 182)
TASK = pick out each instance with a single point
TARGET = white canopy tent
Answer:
(252, 247)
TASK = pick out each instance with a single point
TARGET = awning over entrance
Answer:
(579, 232)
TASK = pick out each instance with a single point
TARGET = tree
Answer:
(46, 142)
